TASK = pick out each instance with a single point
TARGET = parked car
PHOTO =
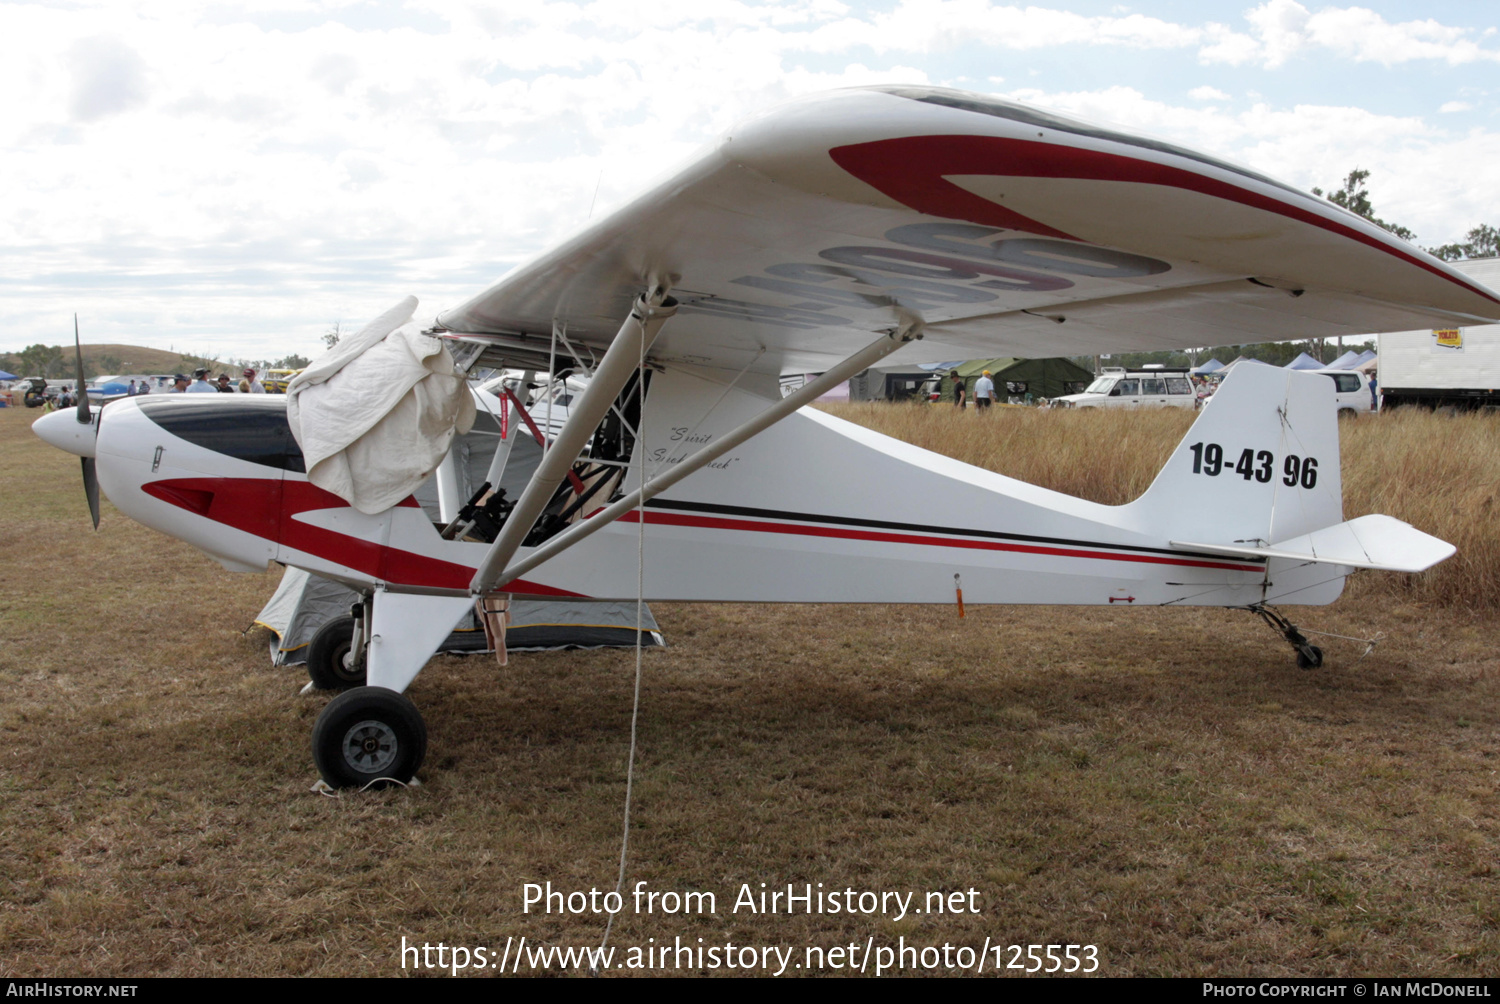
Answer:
(36, 393)
(275, 381)
(1352, 391)
(1117, 387)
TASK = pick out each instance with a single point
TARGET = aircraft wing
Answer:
(1007, 230)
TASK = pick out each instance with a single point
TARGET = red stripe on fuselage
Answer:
(914, 171)
(267, 508)
(805, 530)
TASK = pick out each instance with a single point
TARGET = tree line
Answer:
(1482, 241)
(56, 362)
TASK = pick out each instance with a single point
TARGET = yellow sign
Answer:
(1448, 338)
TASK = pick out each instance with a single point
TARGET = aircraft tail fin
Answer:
(1260, 464)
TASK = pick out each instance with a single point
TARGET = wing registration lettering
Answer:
(939, 267)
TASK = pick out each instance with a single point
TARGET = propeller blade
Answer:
(91, 488)
(83, 405)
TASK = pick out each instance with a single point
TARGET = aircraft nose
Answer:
(63, 430)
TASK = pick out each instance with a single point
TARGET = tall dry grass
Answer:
(1439, 473)
(1103, 456)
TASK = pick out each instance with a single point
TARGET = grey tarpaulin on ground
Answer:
(304, 603)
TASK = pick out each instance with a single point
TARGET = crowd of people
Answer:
(984, 393)
(199, 383)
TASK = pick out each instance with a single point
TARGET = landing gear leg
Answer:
(337, 657)
(1309, 656)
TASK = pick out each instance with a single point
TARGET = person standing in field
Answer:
(984, 391)
(250, 385)
(959, 392)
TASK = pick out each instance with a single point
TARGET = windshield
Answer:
(1101, 385)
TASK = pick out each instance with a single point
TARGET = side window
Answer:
(1346, 382)
(1153, 386)
(1129, 388)
(1177, 385)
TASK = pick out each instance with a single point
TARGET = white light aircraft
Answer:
(819, 238)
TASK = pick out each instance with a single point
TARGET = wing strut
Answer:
(650, 312)
(857, 363)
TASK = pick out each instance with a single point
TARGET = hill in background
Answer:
(56, 361)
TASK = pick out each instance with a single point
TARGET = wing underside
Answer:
(1005, 230)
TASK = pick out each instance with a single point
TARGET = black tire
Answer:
(369, 734)
(1311, 659)
(328, 654)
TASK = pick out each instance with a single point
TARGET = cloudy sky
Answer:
(233, 178)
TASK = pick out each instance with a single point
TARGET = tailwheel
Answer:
(1309, 656)
(366, 735)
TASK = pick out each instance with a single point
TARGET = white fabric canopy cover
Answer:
(376, 413)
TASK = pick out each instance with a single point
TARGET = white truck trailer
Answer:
(1455, 367)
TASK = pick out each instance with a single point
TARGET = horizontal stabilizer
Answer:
(1374, 541)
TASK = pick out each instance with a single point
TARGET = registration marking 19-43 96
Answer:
(1257, 465)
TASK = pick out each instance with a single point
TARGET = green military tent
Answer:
(1022, 381)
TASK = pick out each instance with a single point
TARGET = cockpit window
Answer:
(246, 430)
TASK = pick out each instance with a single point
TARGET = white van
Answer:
(1352, 391)
(1154, 387)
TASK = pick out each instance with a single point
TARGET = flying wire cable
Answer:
(551, 387)
(640, 604)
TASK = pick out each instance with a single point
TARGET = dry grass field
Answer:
(1163, 784)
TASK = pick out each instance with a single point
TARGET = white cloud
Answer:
(1449, 107)
(1282, 28)
(1285, 28)
(108, 77)
(249, 172)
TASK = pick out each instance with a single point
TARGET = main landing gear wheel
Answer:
(332, 663)
(368, 734)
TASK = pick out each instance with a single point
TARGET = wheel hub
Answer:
(370, 747)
